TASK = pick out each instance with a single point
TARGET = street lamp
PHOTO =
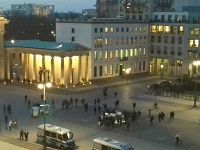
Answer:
(127, 71)
(161, 67)
(196, 63)
(44, 82)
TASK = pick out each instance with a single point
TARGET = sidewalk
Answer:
(9, 143)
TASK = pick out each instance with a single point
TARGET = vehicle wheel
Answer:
(62, 147)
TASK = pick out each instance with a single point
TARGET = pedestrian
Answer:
(98, 101)
(10, 125)
(63, 104)
(21, 137)
(42, 97)
(6, 119)
(127, 125)
(115, 94)
(29, 103)
(15, 123)
(151, 120)
(134, 106)
(149, 112)
(26, 135)
(76, 102)
(178, 139)
(155, 105)
(71, 100)
(25, 98)
(4, 108)
(52, 102)
(95, 110)
(99, 108)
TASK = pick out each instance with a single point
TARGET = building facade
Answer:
(67, 62)
(116, 47)
(33, 9)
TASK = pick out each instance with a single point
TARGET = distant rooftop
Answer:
(36, 44)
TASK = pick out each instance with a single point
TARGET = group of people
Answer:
(23, 135)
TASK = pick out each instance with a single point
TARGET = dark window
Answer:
(95, 30)
(47, 133)
(140, 66)
(95, 71)
(117, 29)
(152, 39)
(144, 65)
(73, 38)
(159, 39)
(179, 40)
(127, 29)
(172, 40)
(73, 30)
(122, 29)
(101, 29)
(100, 71)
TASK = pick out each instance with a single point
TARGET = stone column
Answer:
(52, 70)
(79, 69)
(62, 70)
(8, 66)
(86, 68)
(35, 75)
(70, 70)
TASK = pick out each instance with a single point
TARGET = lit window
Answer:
(131, 52)
(111, 29)
(100, 54)
(167, 29)
(106, 29)
(116, 54)
(153, 29)
(106, 41)
(135, 52)
(144, 51)
(121, 53)
(111, 54)
(196, 42)
(160, 28)
(106, 55)
(126, 54)
(111, 69)
(106, 70)
(95, 55)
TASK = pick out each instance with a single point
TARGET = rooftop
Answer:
(37, 44)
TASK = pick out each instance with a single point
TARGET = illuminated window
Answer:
(144, 51)
(95, 55)
(126, 53)
(106, 41)
(180, 29)
(111, 54)
(135, 52)
(116, 54)
(131, 52)
(121, 53)
(111, 69)
(196, 42)
(160, 28)
(153, 29)
(106, 55)
(106, 70)
(167, 29)
(106, 29)
(100, 54)
(111, 29)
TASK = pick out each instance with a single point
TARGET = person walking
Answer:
(95, 109)
(10, 125)
(52, 102)
(25, 98)
(26, 135)
(171, 115)
(151, 120)
(178, 139)
(76, 102)
(21, 137)
(149, 113)
(127, 125)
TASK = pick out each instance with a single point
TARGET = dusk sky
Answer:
(60, 5)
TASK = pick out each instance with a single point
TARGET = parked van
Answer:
(104, 143)
(56, 136)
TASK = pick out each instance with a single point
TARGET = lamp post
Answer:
(127, 71)
(196, 63)
(44, 82)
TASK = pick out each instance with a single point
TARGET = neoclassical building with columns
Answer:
(67, 62)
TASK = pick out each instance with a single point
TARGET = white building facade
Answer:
(116, 47)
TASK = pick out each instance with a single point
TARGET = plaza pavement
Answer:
(85, 127)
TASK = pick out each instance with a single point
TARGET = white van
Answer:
(56, 136)
(104, 143)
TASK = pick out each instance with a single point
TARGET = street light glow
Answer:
(40, 86)
(49, 85)
(196, 63)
